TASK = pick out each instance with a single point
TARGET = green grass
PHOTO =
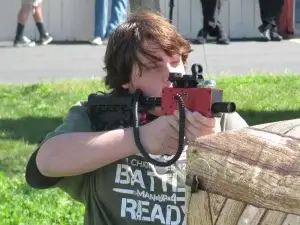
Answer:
(28, 112)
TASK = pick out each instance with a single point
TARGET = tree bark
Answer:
(249, 173)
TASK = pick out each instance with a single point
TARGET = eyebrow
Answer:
(152, 61)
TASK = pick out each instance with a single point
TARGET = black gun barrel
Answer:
(223, 107)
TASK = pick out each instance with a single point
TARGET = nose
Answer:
(176, 69)
(171, 69)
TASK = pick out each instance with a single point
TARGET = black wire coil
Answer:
(136, 133)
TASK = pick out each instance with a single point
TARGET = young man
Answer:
(270, 13)
(28, 6)
(211, 25)
(103, 27)
(104, 169)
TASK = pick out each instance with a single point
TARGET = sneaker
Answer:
(24, 42)
(97, 41)
(274, 35)
(216, 32)
(201, 37)
(47, 39)
(265, 32)
(222, 37)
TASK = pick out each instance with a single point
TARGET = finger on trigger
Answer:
(189, 116)
(173, 122)
(176, 112)
(192, 128)
(210, 122)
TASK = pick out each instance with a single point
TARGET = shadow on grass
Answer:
(31, 130)
(260, 117)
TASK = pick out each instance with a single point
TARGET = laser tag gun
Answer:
(108, 112)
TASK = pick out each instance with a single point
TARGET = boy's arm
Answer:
(73, 149)
(76, 121)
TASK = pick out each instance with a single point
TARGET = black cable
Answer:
(181, 132)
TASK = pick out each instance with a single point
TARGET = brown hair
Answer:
(126, 42)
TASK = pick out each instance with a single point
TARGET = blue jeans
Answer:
(103, 28)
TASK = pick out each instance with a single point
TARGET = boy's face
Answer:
(152, 80)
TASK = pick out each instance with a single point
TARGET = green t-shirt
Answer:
(130, 191)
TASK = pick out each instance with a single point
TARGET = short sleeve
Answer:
(77, 120)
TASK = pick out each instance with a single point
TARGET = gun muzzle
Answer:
(223, 107)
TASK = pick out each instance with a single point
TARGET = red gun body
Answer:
(195, 99)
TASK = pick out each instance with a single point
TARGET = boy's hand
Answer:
(197, 125)
(161, 135)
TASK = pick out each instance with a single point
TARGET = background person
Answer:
(103, 26)
(211, 25)
(270, 12)
(28, 6)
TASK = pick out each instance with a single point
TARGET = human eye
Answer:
(175, 60)
(175, 63)
(155, 67)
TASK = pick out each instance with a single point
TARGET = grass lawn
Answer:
(28, 112)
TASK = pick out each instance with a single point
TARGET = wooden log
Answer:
(247, 176)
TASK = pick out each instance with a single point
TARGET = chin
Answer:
(154, 93)
(156, 111)
(154, 96)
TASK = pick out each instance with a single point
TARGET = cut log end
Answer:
(257, 166)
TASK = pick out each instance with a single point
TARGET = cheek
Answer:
(179, 68)
(150, 86)
(182, 68)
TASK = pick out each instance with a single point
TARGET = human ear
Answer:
(129, 85)
(126, 86)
